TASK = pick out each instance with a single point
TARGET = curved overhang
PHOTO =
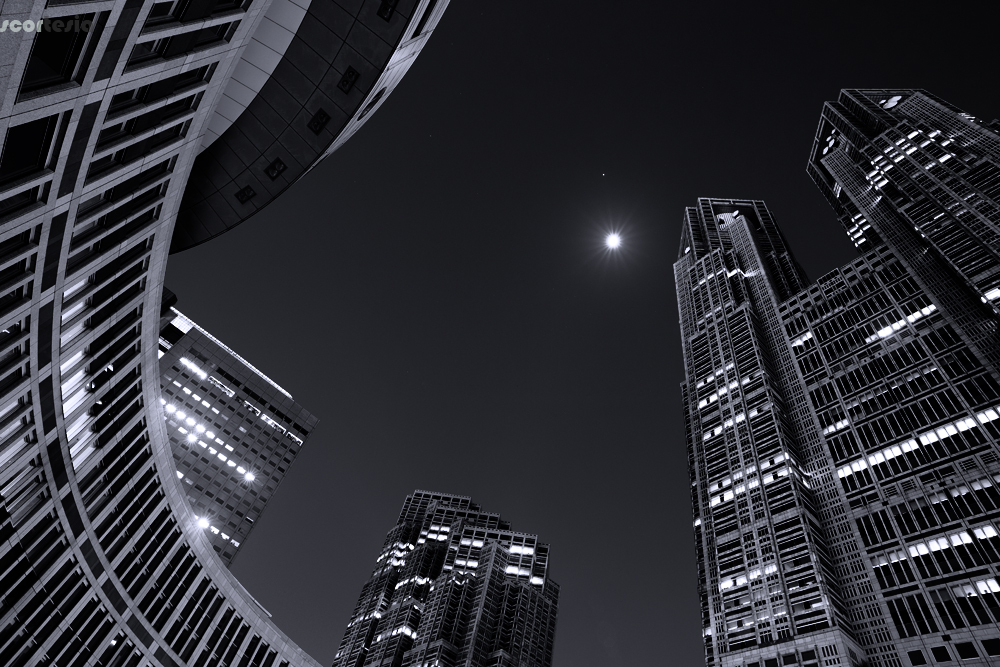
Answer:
(263, 52)
(342, 62)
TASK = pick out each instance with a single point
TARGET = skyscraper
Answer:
(765, 578)
(104, 114)
(843, 435)
(454, 585)
(233, 432)
(909, 168)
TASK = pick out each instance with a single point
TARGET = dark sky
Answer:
(436, 292)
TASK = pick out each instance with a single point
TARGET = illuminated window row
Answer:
(711, 378)
(185, 325)
(743, 579)
(730, 422)
(889, 330)
(198, 430)
(925, 438)
(722, 392)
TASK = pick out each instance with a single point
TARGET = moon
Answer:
(613, 240)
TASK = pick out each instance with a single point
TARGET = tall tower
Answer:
(764, 568)
(908, 168)
(233, 431)
(454, 585)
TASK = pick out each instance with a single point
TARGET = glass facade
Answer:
(454, 585)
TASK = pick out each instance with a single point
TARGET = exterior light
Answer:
(203, 522)
(249, 477)
(613, 240)
(171, 407)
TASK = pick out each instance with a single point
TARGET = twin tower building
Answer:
(842, 435)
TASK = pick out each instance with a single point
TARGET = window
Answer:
(966, 651)
(917, 658)
(58, 54)
(120, 132)
(26, 149)
(371, 105)
(423, 21)
(138, 150)
(941, 654)
(185, 11)
(180, 45)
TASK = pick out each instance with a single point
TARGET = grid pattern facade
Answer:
(233, 432)
(102, 561)
(906, 411)
(453, 585)
(766, 581)
(907, 362)
(937, 168)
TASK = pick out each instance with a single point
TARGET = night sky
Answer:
(437, 293)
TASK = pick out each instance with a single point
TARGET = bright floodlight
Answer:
(613, 241)
(203, 522)
(249, 477)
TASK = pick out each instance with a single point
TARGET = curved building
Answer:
(333, 65)
(104, 108)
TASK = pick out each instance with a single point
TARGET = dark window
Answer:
(137, 150)
(57, 55)
(159, 90)
(941, 654)
(966, 651)
(423, 19)
(917, 658)
(26, 149)
(185, 11)
(180, 45)
(122, 131)
(22, 200)
(992, 646)
(371, 105)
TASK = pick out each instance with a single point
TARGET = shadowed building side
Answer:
(340, 66)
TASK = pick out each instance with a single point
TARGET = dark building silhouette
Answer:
(454, 585)
(876, 388)
(103, 561)
(233, 432)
